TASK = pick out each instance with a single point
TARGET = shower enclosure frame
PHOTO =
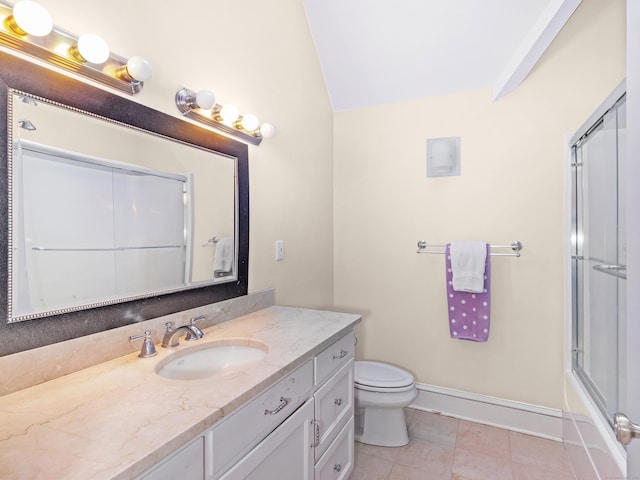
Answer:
(587, 425)
(594, 360)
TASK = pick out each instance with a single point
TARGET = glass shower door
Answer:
(599, 260)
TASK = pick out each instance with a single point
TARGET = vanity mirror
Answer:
(112, 212)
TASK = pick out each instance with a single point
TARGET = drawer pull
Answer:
(316, 435)
(338, 401)
(283, 403)
(343, 353)
(337, 467)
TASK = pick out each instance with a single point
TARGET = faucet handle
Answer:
(194, 333)
(148, 348)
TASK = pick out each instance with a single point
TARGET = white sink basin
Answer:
(220, 357)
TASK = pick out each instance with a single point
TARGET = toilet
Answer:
(382, 392)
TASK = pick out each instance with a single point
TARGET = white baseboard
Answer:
(510, 415)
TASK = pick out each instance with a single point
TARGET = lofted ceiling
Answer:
(380, 51)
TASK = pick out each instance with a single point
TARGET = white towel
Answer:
(468, 260)
(223, 262)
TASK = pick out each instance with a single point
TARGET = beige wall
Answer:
(512, 187)
(259, 56)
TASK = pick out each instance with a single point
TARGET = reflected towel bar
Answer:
(106, 249)
(515, 246)
(619, 271)
(211, 242)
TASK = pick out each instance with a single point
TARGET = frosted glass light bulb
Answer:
(267, 130)
(205, 99)
(250, 122)
(139, 68)
(32, 18)
(229, 114)
(93, 48)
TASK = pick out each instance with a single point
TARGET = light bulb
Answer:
(229, 114)
(92, 48)
(250, 122)
(205, 99)
(139, 68)
(30, 18)
(267, 130)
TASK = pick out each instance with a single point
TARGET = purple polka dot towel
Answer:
(468, 312)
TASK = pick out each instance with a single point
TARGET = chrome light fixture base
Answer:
(185, 103)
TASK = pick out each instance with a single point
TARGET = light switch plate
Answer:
(279, 250)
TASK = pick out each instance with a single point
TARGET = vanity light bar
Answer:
(65, 49)
(201, 106)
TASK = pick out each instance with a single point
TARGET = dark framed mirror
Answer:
(50, 324)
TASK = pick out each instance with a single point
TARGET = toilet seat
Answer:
(381, 377)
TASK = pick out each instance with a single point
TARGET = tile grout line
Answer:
(455, 448)
(510, 455)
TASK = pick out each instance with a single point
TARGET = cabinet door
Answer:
(186, 464)
(286, 454)
(334, 406)
(337, 462)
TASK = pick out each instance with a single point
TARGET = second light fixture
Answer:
(202, 106)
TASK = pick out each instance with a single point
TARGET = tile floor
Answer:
(447, 448)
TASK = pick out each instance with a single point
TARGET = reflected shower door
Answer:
(599, 260)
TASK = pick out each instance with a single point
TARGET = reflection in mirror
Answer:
(53, 326)
(104, 213)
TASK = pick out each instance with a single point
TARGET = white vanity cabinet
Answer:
(334, 408)
(301, 428)
(315, 442)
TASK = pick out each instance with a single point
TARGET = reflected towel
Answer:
(469, 311)
(468, 265)
(223, 261)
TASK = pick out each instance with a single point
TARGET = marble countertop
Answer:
(116, 419)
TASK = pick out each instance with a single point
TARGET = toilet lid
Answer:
(376, 374)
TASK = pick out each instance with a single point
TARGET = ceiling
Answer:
(380, 51)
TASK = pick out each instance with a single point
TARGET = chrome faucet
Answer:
(191, 331)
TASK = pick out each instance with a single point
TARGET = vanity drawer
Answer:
(235, 435)
(337, 462)
(334, 357)
(334, 406)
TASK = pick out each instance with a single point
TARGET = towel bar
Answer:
(515, 246)
(211, 242)
(106, 249)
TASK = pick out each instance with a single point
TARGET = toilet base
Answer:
(384, 427)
